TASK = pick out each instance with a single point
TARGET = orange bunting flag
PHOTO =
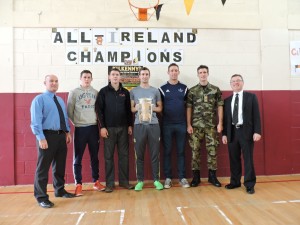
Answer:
(188, 5)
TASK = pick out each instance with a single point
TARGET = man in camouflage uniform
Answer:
(203, 102)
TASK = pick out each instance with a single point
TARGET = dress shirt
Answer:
(240, 114)
(44, 114)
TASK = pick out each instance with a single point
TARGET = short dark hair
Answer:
(203, 67)
(144, 68)
(237, 75)
(172, 64)
(85, 71)
(114, 69)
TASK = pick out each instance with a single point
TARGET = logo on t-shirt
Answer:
(180, 90)
(167, 90)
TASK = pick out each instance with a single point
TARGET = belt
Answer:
(54, 132)
(238, 126)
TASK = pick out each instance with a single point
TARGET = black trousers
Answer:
(88, 135)
(56, 155)
(118, 137)
(240, 145)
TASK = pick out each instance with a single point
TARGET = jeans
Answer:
(178, 131)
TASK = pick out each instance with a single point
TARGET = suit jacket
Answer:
(251, 117)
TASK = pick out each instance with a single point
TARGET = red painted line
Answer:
(146, 187)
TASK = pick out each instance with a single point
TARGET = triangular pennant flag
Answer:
(157, 9)
(188, 5)
(223, 1)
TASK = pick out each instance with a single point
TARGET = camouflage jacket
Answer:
(204, 103)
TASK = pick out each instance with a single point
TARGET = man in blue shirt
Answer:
(173, 95)
(49, 123)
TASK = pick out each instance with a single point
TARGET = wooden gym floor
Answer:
(276, 201)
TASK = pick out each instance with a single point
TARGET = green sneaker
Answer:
(139, 186)
(158, 185)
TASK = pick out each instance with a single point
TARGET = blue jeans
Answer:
(178, 131)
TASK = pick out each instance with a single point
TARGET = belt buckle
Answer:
(238, 126)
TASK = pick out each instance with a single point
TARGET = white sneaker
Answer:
(168, 183)
(184, 183)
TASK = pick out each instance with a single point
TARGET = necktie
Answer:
(235, 115)
(61, 115)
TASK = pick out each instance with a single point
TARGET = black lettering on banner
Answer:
(165, 56)
(177, 57)
(69, 34)
(58, 37)
(191, 38)
(69, 56)
(125, 55)
(139, 55)
(82, 38)
(149, 57)
(85, 56)
(165, 38)
(178, 37)
(125, 36)
(99, 57)
(138, 37)
(150, 38)
(112, 57)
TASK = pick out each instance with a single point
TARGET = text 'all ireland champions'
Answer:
(111, 46)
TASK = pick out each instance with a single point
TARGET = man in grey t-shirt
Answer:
(145, 103)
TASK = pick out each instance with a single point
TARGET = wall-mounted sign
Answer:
(129, 75)
(129, 46)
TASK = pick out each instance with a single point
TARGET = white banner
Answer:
(128, 46)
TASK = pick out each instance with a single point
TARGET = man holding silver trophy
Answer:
(145, 103)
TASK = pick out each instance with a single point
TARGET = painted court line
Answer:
(80, 217)
(289, 201)
(181, 214)
(215, 206)
(122, 211)
(81, 214)
(223, 214)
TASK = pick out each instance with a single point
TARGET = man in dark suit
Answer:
(241, 129)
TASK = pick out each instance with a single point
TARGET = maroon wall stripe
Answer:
(277, 153)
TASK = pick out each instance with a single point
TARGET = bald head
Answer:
(51, 83)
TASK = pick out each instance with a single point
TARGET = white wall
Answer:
(247, 37)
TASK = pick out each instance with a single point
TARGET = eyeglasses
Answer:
(236, 81)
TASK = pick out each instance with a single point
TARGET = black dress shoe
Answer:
(65, 195)
(250, 190)
(46, 204)
(127, 186)
(232, 186)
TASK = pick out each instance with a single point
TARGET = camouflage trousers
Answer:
(211, 138)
